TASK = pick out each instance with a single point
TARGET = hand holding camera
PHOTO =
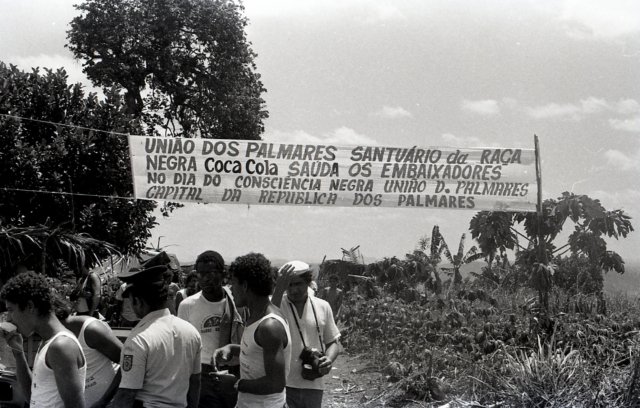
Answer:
(314, 364)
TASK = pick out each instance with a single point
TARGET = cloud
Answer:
(461, 141)
(626, 200)
(619, 160)
(628, 106)
(591, 106)
(366, 11)
(483, 107)
(602, 19)
(384, 12)
(389, 112)
(340, 136)
(553, 110)
(629, 125)
(594, 105)
(55, 61)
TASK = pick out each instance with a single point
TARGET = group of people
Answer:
(250, 337)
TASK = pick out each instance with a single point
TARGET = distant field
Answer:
(628, 282)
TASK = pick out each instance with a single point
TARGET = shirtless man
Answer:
(333, 295)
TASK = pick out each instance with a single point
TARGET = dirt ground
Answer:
(353, 381)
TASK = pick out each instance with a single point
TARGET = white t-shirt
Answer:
(328, 331)
(205, 316)
(159, 357)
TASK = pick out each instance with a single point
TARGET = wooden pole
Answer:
(541, 240)
(544, 278)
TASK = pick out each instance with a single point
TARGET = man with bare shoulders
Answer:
(59, 368)
(265, 349)
(101, 349)
(333, 295)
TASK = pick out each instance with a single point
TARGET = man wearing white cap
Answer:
(161, 357)
(314, 335)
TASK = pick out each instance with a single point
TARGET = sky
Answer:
(405, 73)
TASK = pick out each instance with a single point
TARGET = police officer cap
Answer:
(148, 273)
(299, 267)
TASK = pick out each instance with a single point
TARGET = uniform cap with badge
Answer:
(147, 275)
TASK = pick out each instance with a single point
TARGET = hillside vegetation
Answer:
(494, 345)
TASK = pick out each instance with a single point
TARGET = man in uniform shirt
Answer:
(161, 357)
(312, 327)
(213, 313)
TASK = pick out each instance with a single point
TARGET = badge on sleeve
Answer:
(127, 362)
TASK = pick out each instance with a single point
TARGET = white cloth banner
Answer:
(259, 172)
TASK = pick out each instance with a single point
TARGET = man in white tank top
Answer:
(265, 349)
(101, 350)
(59, 368)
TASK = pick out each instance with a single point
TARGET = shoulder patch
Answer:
(127, 362)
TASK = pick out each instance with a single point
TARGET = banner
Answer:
(265, 173)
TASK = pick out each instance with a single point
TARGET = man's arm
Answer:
(331, 353)
(193, 394)
(94, 284)
(339, 302)
(100, 337)
(223, 355)
(125, 397)
(23, 373)
(272, 337)
(65, 358)
(282, 283)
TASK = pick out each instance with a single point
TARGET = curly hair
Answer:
(29, 286)
(193, 275)
(210, 256)
(256, 270)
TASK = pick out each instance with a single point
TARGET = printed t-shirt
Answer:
(206, 317)
(328, 331)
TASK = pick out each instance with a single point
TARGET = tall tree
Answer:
(186, 65)
(592, 223)
(42, 163)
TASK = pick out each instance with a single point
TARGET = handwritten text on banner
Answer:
(258, 172)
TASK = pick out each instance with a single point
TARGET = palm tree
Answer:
(46, 249)
(428, 254)
(461, 258)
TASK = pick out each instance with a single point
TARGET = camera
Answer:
(310, 358)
